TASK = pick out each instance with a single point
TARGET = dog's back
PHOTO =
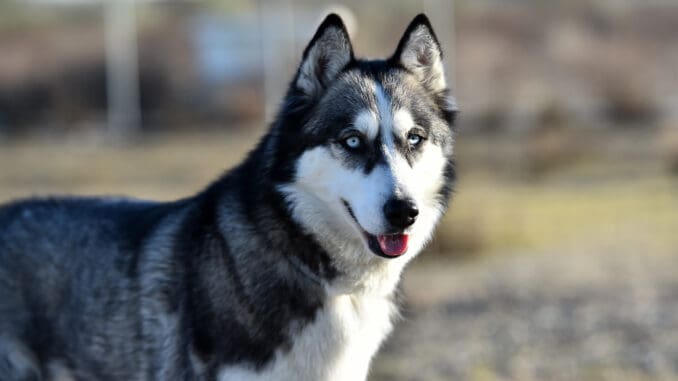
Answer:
(67, 281)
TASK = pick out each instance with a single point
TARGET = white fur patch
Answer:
(337, 346)
(322, 183)
(402, 122)
(367, 123)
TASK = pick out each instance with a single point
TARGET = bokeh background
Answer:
(558, 259)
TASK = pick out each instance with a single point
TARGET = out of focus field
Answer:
(544, 267)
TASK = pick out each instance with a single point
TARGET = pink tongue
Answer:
(393, 245)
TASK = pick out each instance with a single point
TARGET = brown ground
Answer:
(609, 315)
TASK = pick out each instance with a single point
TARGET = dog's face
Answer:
(376, 165)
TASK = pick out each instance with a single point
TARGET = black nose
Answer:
(400, 213)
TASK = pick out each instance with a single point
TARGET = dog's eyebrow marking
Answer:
(402, 122)
(366, 122)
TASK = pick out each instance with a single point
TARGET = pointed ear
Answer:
(325, 56)
(419, 52)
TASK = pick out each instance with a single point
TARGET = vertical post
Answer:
(122, 72)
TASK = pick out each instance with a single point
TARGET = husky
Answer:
(285, 268)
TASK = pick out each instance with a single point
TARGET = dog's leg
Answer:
(17, 362)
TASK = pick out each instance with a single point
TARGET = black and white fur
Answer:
(268, 274)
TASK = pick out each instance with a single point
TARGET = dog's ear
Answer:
(325, 56)
(419, 53)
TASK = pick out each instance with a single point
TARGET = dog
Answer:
(285, 268)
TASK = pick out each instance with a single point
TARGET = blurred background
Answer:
(558, 259)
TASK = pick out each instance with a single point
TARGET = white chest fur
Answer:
(338, 345)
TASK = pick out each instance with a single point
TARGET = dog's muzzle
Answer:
(384, 245)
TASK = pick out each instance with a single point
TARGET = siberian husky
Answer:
(283, 269)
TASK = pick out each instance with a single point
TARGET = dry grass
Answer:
(160, 167)
(488, 215)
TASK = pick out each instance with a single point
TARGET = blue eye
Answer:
(414, 139)
(353, 142)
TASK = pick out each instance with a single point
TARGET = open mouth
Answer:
(383, 245)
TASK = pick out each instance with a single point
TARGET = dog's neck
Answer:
(360, 272)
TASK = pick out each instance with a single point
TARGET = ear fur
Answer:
(325, 56)
(419, 52)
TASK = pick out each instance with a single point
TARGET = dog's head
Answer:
(368, 143)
